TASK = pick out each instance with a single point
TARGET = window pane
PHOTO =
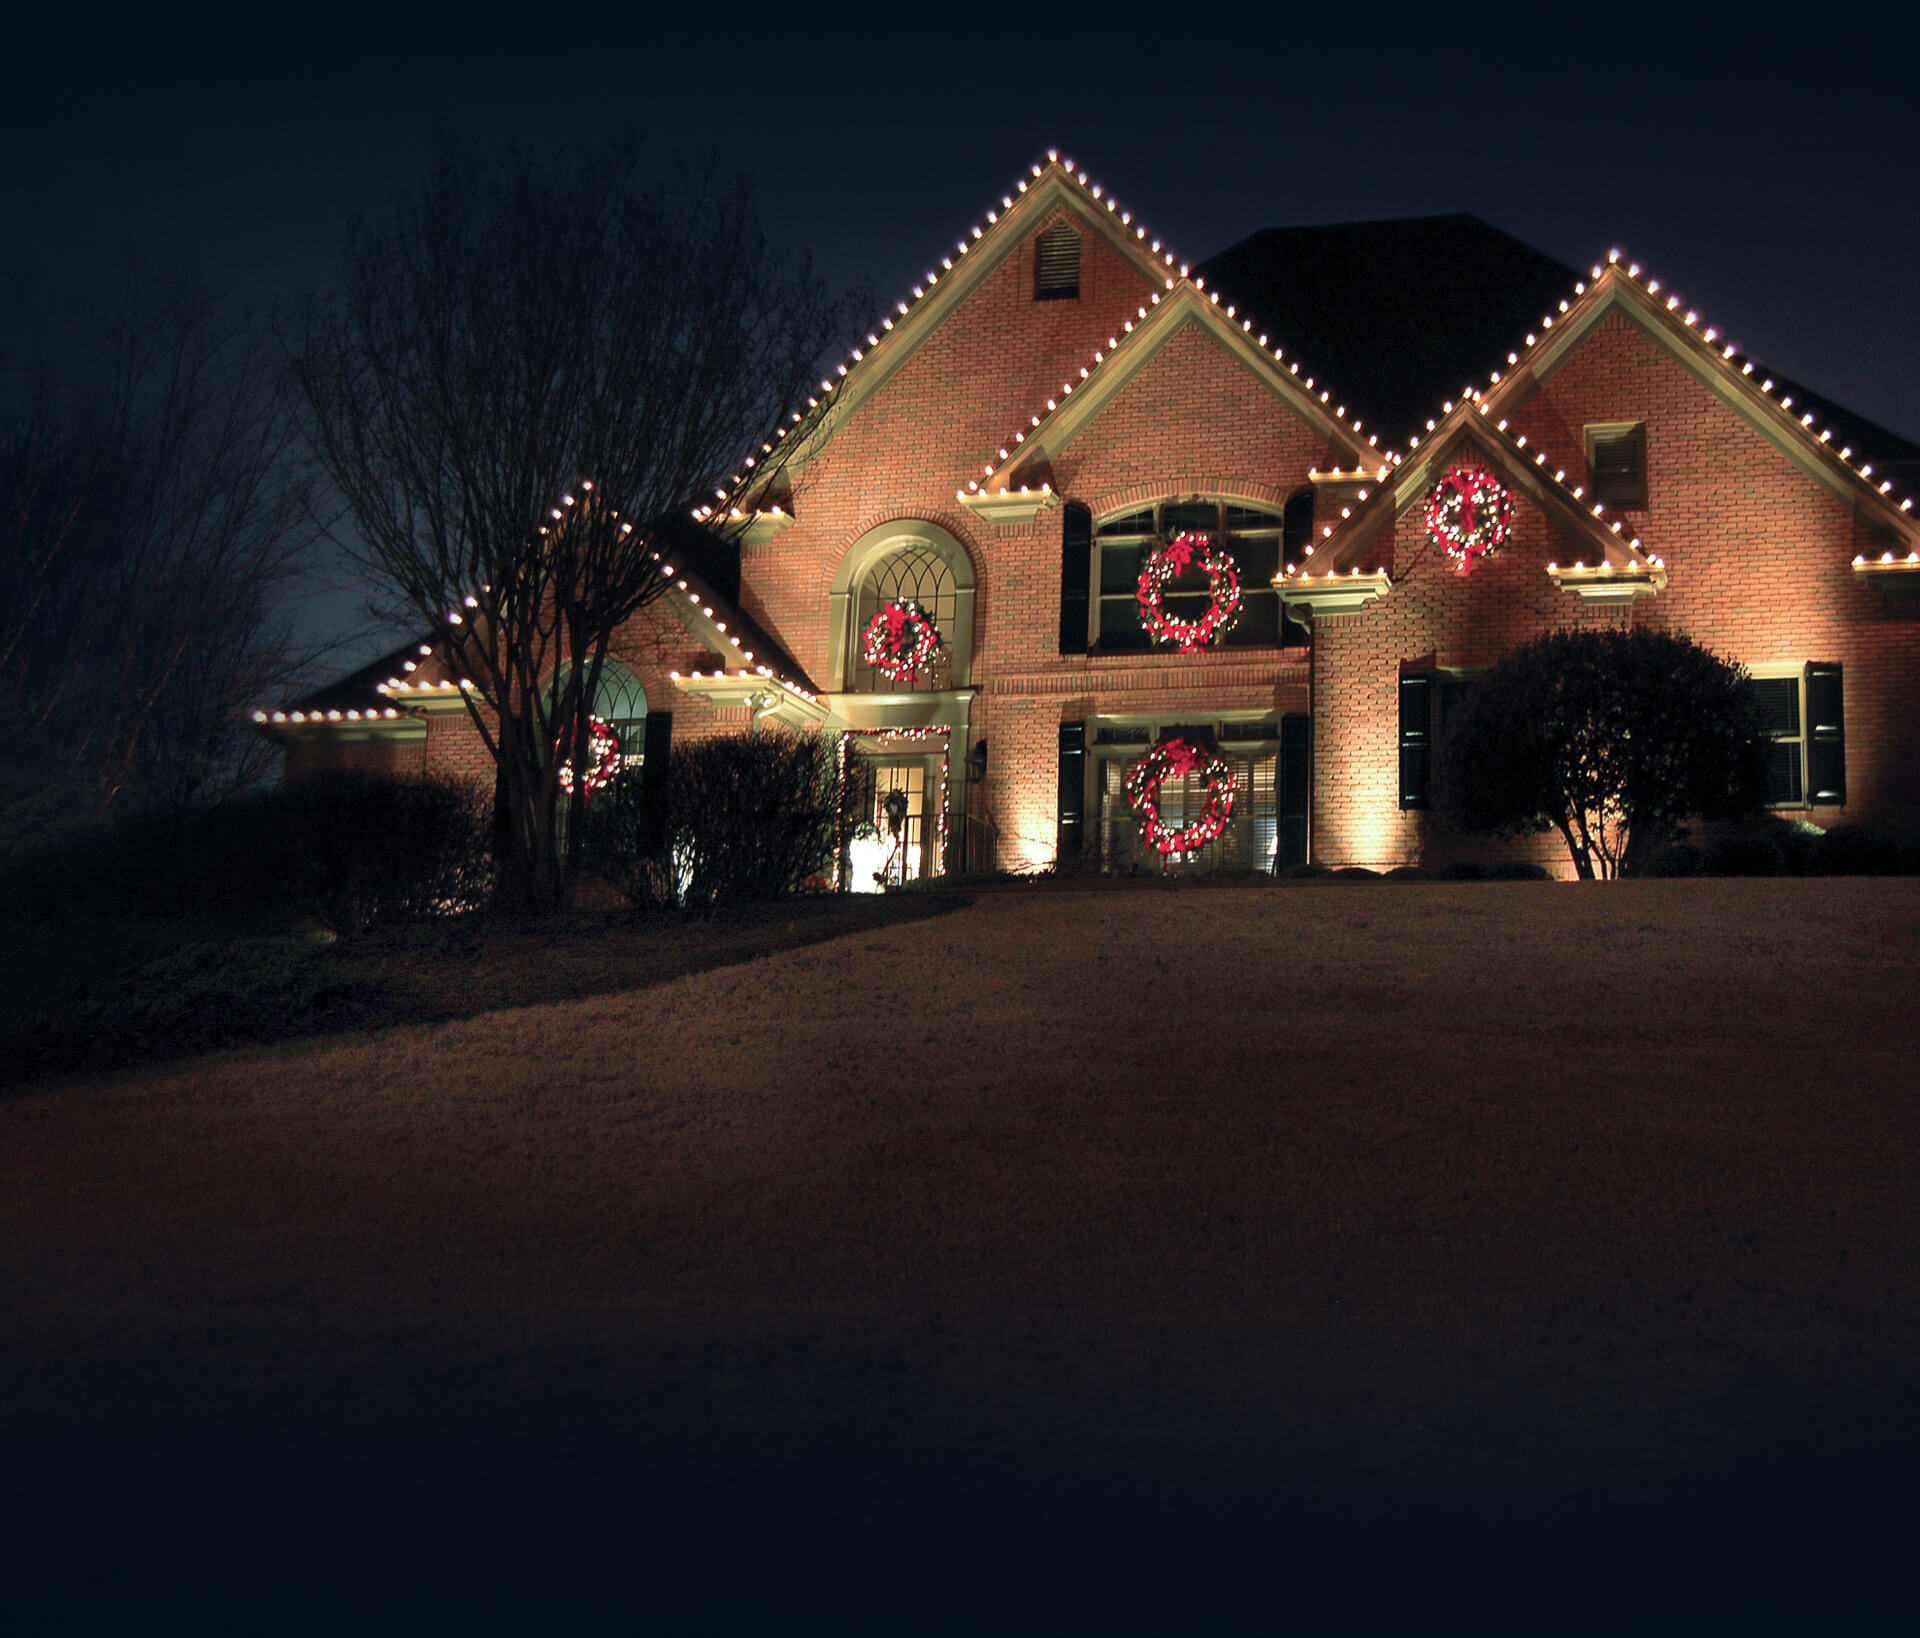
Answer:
(1134, 523)
(1120, 570)
(1779, 702)
(1783, 772)
(1250, 517)
(1197, 517)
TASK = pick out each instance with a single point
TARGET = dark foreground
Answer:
(1522, 1256)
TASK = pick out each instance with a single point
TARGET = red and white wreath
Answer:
(1223, 591)
(899, 641)
(603, 758)
(1176, 759)
(1469, 515)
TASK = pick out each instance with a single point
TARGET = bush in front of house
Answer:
(1853, 850)
(357, 849)
(1747, 854)
(1614, 738)
(347, 849)
(746, 818)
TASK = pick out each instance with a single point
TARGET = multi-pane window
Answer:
(620, 701)
(1253, 535)
(1804, 711)
(916, 574)
(1250, 748)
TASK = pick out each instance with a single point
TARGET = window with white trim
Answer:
(1251, 747)
(1253, 535)
(1804, 709)
(915, 573)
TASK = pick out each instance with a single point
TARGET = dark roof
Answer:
(1398, 317)
(359, 690)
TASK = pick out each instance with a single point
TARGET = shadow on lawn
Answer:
(91, 995)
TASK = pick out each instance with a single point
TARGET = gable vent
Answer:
(1056, 264)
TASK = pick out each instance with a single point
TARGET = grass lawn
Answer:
(1429, 1253)
(92, 994)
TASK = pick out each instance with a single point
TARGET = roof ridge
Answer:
(1710, 340)
(902, 309)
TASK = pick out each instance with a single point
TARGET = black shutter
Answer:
(654, 769)
(1076, 567)
(1826, 737)
(1073, 790)
(1416, 740)
(1296, 775)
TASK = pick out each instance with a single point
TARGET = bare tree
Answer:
(535, 371)
(151, 512)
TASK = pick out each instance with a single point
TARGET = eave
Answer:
(1059, 419)
(900, 332)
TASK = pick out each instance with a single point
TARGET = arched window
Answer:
(918, 562)
(915, 573)
(620, 701)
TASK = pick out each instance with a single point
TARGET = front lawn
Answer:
(1526, 1257)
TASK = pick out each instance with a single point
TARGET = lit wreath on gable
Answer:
(1469, 515)
(1223, 592)
(899, 641)
(1175, 759)
(603, 758)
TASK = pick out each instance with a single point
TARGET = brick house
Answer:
(1062, 395)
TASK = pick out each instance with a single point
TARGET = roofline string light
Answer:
(1114, 343)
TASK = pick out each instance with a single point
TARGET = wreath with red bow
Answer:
(899, 641)
(1175, 759)
(603, 758)
(1469, 515)
(1223, 591)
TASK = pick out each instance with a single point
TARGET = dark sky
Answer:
(1766, 173)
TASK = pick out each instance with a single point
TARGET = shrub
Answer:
(1357, 873)
(1306, 873)
(1679, 859)
(365, 848)
(349, 849)
(746, 817)
(1518, 870)
(1464, 870)
(1854, 850)
(1409, 873)
(1745, 855)
(1612, 737)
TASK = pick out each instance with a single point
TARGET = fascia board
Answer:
(1149, 337)
(912, 329)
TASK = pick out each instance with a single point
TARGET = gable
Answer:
(1119, 262)
(1181, 357)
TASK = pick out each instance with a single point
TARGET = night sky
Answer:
(1764, 173)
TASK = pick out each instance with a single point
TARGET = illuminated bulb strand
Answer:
(1723, 352)
(829, 384)
(1114, 343)
(917, 736)
(1572, 494)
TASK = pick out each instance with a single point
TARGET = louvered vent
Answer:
(1619, 467)
(1056, 275)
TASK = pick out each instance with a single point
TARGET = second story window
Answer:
(914, 574)
(1252, 534)
(1056, 264)
(1617, 463)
